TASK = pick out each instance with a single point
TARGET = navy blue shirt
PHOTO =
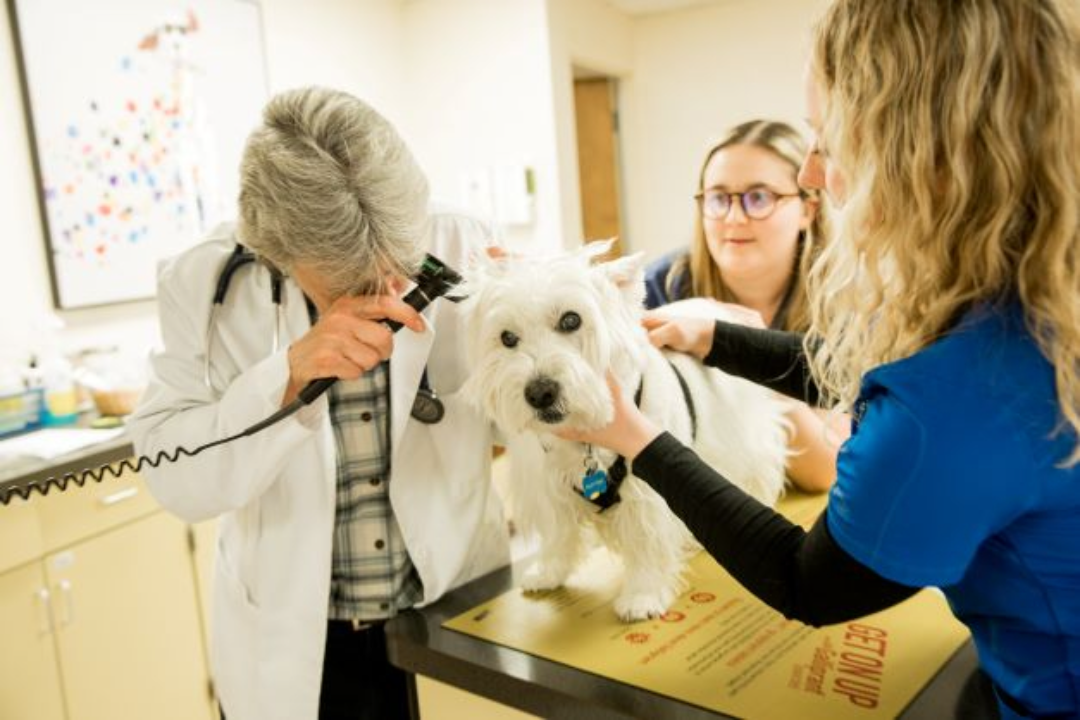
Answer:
(656, 280)
(952, 479)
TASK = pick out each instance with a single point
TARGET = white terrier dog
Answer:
(543, 334)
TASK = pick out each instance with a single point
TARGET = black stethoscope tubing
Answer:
(427, 407)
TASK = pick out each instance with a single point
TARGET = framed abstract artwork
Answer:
(137, 112)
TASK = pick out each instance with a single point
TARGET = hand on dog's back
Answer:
(687, 325)
(693, 336)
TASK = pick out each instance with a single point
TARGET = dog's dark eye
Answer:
(509, 339)
(569, 322)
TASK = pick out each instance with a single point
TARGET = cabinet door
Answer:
(204, 546)
(127, 625)
(29, 677)
(445, 702)
(204, 549)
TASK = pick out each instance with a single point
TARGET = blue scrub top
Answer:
(952, 479)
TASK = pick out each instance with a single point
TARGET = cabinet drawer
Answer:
(82, 512)
(20, 533)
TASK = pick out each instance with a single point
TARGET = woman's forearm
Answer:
(772, 358)
(804, 575)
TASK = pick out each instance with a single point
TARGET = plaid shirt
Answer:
(372, 576)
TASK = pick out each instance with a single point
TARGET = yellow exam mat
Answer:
(722, 649)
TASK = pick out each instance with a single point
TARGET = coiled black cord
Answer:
(99, 474)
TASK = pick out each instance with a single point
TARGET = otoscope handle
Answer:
(314, 389)
(415, 298)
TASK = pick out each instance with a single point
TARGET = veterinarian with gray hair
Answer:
(946, 316)
(351, 510)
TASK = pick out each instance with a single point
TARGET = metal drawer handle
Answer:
(68, 604)
(46, 625)
(119, 496)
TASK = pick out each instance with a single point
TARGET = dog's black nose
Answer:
(542, 393)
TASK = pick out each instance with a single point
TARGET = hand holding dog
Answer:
(628, 433)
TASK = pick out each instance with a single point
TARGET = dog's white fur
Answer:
(741, 429)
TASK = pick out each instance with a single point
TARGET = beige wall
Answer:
(490, 83)
(356, 46)
(353, 46)
(695, 73)
(590, 35)
(478, 93)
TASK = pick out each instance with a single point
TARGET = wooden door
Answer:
(598, 159)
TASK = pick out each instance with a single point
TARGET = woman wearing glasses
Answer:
(755, 232)
(755, 236)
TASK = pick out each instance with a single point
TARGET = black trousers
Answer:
(358, 681)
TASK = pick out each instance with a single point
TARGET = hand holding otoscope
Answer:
(351, 337)
(434, 280)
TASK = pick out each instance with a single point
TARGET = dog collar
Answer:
(601, 487)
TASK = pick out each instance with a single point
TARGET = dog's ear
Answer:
(628, 275)
(596, 249)
(481, 266)
(484, 263)
(484, 259)
(625, 270)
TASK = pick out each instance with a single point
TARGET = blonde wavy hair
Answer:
(788, 145)
(957, 129)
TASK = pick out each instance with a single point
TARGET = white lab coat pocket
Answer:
(231, 585)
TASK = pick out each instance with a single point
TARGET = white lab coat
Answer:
(274, 492)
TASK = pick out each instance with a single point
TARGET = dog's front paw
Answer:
(544, 576)
(634, 606)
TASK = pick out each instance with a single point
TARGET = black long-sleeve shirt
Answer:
(772, 358)
(805, 575)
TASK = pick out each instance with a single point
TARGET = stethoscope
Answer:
(427, 407)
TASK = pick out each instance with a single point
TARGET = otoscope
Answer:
(434, 280)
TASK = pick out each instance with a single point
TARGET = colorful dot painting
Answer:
(125, 169)
(139, 126)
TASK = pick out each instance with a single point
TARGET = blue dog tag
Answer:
(594, 484)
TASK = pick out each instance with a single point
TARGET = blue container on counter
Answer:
(21, 411)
